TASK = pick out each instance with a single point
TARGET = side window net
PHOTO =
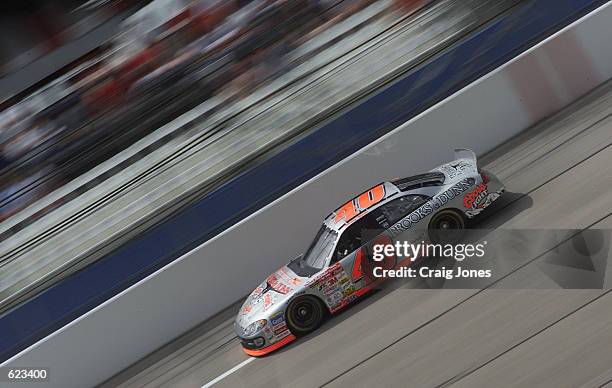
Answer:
(401, 207)
(358, 234)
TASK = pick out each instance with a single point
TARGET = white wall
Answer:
(209, 278)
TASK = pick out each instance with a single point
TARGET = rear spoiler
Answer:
(465, 153)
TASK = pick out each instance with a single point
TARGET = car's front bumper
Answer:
(248, 348)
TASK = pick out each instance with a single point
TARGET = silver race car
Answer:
(337, 267)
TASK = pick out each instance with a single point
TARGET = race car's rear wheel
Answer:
(447, 226)
(305, 314)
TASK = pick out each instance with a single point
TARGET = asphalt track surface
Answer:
(558, 175)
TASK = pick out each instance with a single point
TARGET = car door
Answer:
(370, 231)
(354, 250)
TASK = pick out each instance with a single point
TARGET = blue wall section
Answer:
(464, 62)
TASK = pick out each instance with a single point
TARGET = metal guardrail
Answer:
(206, 159)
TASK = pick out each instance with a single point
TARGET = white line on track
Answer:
(227, 373)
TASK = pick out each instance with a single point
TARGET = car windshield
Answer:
(321, 248)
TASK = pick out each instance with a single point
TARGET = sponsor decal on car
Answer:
(348, 291)
(329, 288)
(482, 204)
(246, 309)
(476, 198)
(267, 301)
(282, 332)
(352, 298)
(277, 285)
(429, 207)
(349, 210)
(277, 319)
(279, 326)
(331, 279)
(257, 292)
(334, 298)
(332, 284)
(287, 278)
(453, 170)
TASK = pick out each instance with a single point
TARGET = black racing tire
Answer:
(447, 226)
(305, 314)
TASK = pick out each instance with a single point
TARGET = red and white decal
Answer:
(349, 210)
(476, 198)
(277, 285)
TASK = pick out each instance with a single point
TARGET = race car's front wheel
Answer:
(305, 314)
(446, 226)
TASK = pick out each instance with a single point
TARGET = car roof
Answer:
(339, 219)
(431, 178)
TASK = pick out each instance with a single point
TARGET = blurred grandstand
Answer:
(165, 59)
(194, 121)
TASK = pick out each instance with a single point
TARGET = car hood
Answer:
(270, 296)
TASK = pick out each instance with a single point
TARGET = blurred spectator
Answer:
(211, 47)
